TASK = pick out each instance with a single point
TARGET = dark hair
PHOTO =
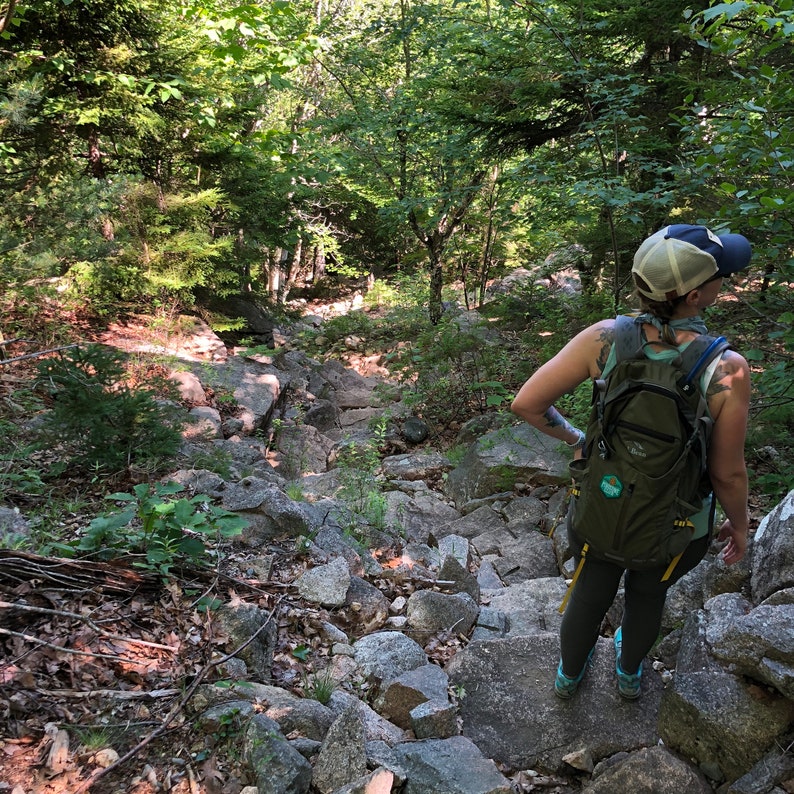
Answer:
(664, 310)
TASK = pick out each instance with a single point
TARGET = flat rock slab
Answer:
(509, 709)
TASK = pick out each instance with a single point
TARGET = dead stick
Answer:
(88, 622)
(160, 729)
(37, 641)
(108, 693)
(35, 355)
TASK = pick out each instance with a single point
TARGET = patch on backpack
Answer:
(611, 486)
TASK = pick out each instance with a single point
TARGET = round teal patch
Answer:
(611, 486)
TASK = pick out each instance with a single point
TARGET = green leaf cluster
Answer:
(166, 531)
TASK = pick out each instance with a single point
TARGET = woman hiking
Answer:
(677, 273)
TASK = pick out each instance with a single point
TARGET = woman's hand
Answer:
(737, 543)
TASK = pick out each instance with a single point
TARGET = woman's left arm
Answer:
(582, 358)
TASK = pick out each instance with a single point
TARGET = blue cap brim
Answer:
(735, 255)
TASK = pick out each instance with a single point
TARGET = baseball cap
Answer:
(679, 258)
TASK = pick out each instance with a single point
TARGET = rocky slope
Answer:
(433, 590)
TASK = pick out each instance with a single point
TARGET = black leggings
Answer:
(645, 594)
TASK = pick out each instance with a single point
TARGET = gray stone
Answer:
(463, 581)
(383, 656)
(278, 767)
(528, 608)
(434, 719)
(454, 766)
(715, 718)
(326, 584)
(401, 695)
(189, 387)
(521, 555)
(491, 623)
(204, 423)
(775, 767)
(380, 781)
(417, 515)
(455, 546)
(502, 458)
(526, 511)
(342, 757)
(322, 414)
(415, 430)
(651, 770)
(472, 525)
(228, 716)
(247, 494)
(239, 623)
(758, 644)
(303, 450)
(376, 727)
(369, 605)
(415, 466)
(773, 551)
(505, 679)
(487, 577)
(257, 388)
(290, 712)
(13, 527)
(429, 612)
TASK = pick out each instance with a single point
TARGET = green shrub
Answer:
(100, 418)
(453, 372)
(162, 529)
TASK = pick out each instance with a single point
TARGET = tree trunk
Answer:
(318, 265)
(435, 305)
(95, 163)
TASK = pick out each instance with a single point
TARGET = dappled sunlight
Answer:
(389, 559)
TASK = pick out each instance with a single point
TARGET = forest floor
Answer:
(118, 667)
(101, 660)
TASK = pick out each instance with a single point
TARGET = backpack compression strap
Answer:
(628, 338)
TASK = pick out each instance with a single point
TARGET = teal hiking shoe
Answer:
(564, 686)
(628, 683)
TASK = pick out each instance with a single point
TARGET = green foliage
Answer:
(354, 323)
(453, 372)
(320, 686)
(360, 492)
(103, 421)
(18, 475)
(166, 531)
(295, 492)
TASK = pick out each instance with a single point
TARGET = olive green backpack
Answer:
(644, 471)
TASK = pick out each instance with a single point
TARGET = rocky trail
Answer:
(375, 630)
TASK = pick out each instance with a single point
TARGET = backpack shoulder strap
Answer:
(697, 356)
(628, 339)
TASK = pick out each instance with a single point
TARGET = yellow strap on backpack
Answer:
(576, 573)
(681, 522)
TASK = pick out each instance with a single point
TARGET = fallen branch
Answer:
(175, 710)
(74, 575)
(115, 694)
(90, 623)
(35, 355)
(60, 649)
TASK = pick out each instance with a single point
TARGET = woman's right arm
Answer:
(729, 393)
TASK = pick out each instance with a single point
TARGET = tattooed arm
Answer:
(729, 400)
(582, 358)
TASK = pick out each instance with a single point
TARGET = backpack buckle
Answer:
(603, 450)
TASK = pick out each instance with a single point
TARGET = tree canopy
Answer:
(150, 150)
